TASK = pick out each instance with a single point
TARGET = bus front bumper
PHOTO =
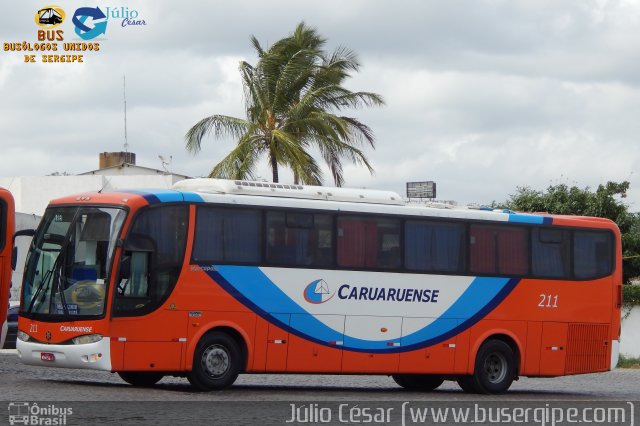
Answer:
(94, 356)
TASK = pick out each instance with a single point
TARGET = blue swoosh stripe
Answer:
(166, 196)
(250, 286)
(530, 218)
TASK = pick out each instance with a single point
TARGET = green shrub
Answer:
(631, 294)
(628, 362)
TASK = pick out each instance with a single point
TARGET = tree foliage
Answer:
(293, 98)
(605, 201)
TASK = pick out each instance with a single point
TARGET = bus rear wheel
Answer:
(140, 378)
(216, 362)
(418, 382)
(495, 368)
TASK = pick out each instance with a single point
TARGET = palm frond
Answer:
(240, 163)
(220, 125)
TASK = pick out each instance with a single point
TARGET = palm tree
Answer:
(292, 97)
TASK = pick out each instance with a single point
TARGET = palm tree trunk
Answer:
(274, 167)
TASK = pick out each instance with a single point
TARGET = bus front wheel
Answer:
(140, 378)
(418, 382)
(495, 368)
(216, 362)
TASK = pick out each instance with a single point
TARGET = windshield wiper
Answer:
(54, 267)
(57, 279)
(45, 280)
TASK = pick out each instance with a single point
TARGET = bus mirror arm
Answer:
(23, 233)
(14, 253)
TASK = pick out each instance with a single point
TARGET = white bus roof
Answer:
(243, 187)
(337, 199)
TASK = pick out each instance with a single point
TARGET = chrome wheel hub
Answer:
(215, 360)
(495, 367)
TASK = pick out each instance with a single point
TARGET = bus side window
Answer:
(498, 250)
(301, 239)
(368, 242)
(550, 253)
(434, 246)
(152, 259)
(593, 254)
(226, 235)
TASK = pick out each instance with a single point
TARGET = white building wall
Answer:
(630, 336)
(141, 181)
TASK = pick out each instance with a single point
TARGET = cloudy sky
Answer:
(481, 96)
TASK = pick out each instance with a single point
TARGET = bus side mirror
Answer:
(14, 253)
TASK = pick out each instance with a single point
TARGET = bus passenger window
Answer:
(365, 242)
(226, 235)
(501, 250)
(301, 239)
(593, 254)
(434, 246)
(550, 253)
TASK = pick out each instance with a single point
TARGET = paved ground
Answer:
(59, 386)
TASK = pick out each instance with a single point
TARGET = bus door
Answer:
(149, 328)
(7, 226)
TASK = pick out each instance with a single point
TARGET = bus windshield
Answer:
(69, 261)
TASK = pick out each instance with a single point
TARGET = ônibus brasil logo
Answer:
(317, 292)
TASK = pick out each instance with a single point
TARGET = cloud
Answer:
(482, 96)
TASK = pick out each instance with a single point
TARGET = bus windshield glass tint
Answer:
(69, 261)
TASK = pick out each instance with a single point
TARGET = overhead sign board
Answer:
(421, 189)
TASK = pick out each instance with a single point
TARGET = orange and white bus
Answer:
(7, 226)
(215, 278)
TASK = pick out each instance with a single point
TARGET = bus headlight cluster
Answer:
(88, 338)
(23, 337)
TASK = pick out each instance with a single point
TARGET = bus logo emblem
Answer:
(317, 292)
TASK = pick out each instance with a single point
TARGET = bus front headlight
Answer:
(88, 338)
(23, 337)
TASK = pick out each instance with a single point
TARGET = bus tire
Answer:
(495, 367)
(418, 382)
(217, 362)
(466, 384)
(141, 378)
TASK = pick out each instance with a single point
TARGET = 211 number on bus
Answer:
(548, 301)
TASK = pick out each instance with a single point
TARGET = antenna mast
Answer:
(124, 92)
